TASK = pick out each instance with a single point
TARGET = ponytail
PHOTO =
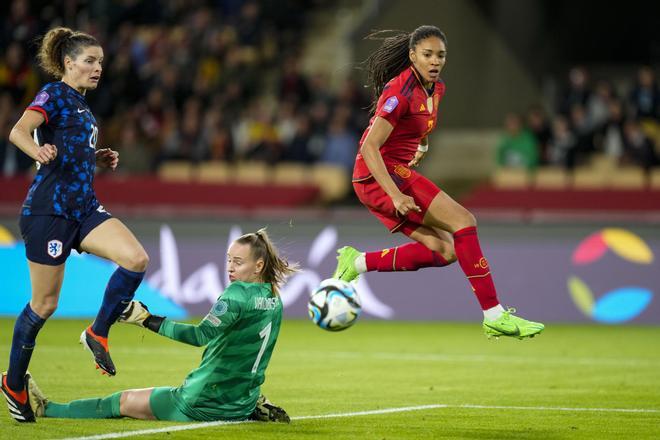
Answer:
(58, 43)
(386, 62)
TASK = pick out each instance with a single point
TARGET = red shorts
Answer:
(380, 204)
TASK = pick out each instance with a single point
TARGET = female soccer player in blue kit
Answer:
(61, 211)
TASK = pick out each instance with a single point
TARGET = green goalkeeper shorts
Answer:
(163, 407)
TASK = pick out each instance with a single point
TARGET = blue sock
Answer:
(119, 292)
(26, 329)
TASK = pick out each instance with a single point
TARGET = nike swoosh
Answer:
(81, 110)
(515, 333)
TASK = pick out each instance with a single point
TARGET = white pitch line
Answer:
(203, 425)
(220, 423)
(558, 408)
(371, 412)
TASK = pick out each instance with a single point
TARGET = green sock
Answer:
(105, 408)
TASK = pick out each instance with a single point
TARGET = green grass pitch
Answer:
(380, 365)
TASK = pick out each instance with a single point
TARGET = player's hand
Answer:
(107, 158)
(46, 154)
(405, 204)
(419, 155)
(135, 314)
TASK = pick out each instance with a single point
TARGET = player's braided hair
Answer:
(392, 57)
(58, 43)
(276, 268)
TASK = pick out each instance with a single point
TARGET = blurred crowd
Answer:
(189, 80)
(622, 124)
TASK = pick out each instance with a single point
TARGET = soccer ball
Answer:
(334, 305)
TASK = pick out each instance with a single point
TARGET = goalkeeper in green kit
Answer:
(239, 333)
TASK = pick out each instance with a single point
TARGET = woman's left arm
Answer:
(192, 334)
(222, 316)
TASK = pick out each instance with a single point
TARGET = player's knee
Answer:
(135, 404)
(125, 407)
(432, 243)
(44, 307)
(127, 404)
(449, 255)
(465, 220)
(137, 261)
(446, 250)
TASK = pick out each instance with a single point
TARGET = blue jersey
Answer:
(64, 186)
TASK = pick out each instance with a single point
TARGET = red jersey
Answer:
(413, 113)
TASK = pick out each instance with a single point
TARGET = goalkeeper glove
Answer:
(137, 313)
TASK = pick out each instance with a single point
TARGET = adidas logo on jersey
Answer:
(422, 108)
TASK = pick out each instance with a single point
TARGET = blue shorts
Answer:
(50, 238)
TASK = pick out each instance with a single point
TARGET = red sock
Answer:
(410, 256)
(475, 266)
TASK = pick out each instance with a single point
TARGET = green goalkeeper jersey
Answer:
(240, 333)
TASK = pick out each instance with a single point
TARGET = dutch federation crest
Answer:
(54, 248)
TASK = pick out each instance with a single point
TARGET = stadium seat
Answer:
(176, 171)
(252, 173)
(655, 179)
(291, 173)
(627, 178)
(603, 162)
(214, 172)
(590, 178)
(551, 178)
(511, 178)
(333, 181)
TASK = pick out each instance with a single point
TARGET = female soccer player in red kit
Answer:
(405, 74)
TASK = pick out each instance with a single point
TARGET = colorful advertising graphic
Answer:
(84, 283)
(608, 277)
(622, 303)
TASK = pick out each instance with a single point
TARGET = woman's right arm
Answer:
(378, 134)
(21, 136)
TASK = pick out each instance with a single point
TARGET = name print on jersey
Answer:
(261, 303)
